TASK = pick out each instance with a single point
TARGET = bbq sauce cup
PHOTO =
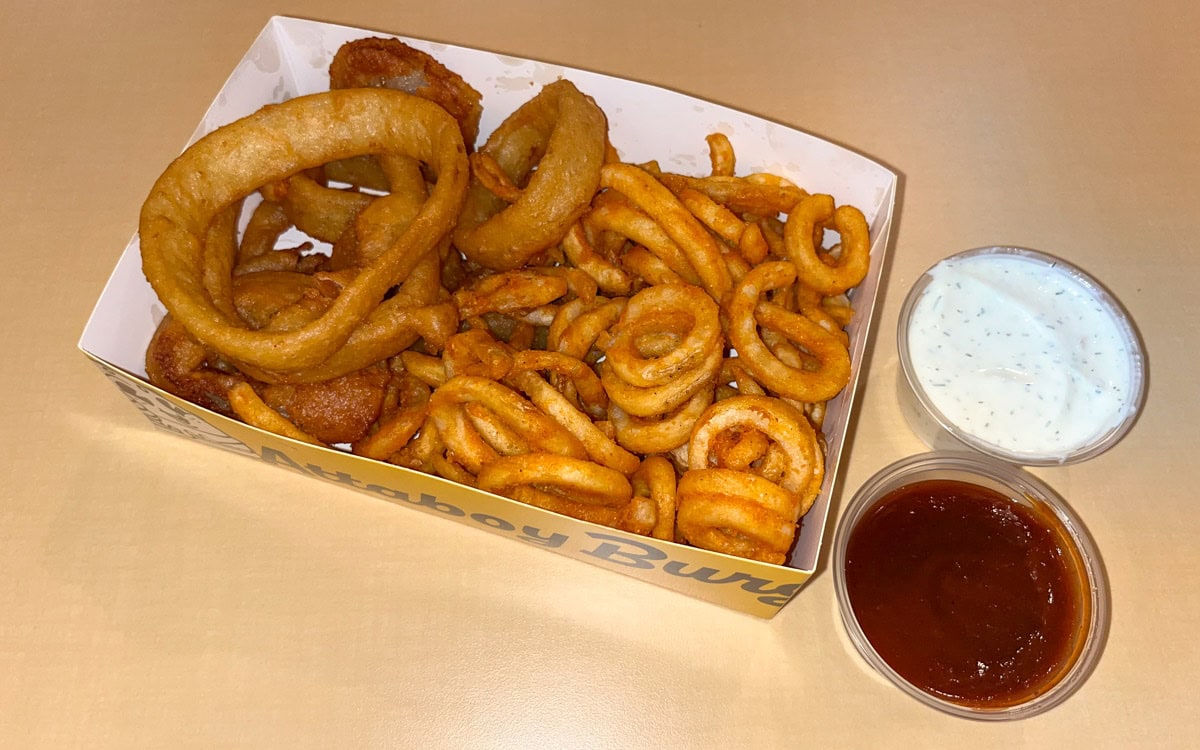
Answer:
(997, 629)
(1019, 355)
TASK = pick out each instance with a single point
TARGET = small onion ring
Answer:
(387, 62)
(562, 133)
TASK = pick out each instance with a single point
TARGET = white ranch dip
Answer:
(1014, 349)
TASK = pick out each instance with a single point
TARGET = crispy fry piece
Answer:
(721, 155)
(252, 410)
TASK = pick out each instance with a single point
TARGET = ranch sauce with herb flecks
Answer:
(1017, 352)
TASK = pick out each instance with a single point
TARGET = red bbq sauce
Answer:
(967, 594)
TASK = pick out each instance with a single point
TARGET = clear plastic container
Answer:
(1019, 355)
(1091, 613)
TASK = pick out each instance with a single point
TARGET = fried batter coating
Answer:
(179, 364)
(380, 62)
(340, 410)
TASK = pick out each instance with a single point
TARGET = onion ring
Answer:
(562, 133)
(387, 62)
(234, 160)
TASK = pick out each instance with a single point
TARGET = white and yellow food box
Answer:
(291, 57)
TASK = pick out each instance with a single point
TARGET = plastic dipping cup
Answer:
(970, 585)
(1019, 355)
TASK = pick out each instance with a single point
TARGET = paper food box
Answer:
(290, 57)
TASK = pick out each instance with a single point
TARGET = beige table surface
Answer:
(157, 593)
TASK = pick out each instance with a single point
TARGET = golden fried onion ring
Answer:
(385, 62)
(553, 147)
(235, 160)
